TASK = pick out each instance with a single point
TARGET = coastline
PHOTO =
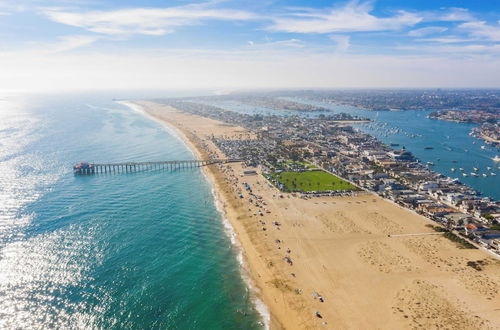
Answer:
(260, 306)
(314, 228)
(489, 139)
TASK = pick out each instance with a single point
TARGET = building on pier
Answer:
(83, 168)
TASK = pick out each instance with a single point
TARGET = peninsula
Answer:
(335, 257)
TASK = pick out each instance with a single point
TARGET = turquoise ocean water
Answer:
(125, 251)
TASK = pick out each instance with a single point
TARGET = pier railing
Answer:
(85, 168)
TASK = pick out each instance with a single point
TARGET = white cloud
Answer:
(67, 43)
(278, 44)
(353, 17)
(62, 44)
(427, 31)
(343, 42)
(445, 40)
(480, 29)
(146, 21)
(455, 15)
(157, 69)
(487, 52)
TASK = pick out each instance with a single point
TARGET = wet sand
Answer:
(338, 248)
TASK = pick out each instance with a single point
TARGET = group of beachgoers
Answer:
(257, 207)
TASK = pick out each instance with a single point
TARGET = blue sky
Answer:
(238, 44)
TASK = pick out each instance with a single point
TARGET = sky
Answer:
(225, 44)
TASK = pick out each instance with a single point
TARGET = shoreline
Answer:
(311, 230)
(260, 306)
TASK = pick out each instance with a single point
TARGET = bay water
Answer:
(447, 145)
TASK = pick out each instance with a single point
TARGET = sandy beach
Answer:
(333, 255)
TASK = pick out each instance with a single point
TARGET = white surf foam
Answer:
(260, 306)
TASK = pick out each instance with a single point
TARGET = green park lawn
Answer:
(311, 181)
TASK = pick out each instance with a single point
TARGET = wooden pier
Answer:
(85, 168)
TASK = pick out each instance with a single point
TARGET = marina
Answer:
(444, 144)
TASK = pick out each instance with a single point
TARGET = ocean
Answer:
(145, 250)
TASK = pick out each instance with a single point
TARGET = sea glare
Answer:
(143, 250)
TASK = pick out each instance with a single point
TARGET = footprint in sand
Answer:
(426, 306)
(339, 223)
(384, 258)
(382, 223)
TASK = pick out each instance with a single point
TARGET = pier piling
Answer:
(85, 168)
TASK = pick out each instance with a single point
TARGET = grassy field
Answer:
(311, 181)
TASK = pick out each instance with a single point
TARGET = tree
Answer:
(294, 155)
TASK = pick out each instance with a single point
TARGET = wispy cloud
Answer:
(67, 43)
(145, 21)
(355, 16)
(454, 15)
(294, 43)
(427, 31)
(445, 40)
(62, 44)
(482, 30)
(154, 68)
(343, 42)
(458, 51)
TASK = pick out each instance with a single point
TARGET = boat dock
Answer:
(85, 168)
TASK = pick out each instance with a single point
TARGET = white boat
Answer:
(493, 174)
(461, 169)
(485, 175)
(475, 169)
(453, 169)
(473, 174)
(496, 159)
(464, 174)
(488, 168)
(483, 147)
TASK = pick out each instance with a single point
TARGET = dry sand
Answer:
(340, 250)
